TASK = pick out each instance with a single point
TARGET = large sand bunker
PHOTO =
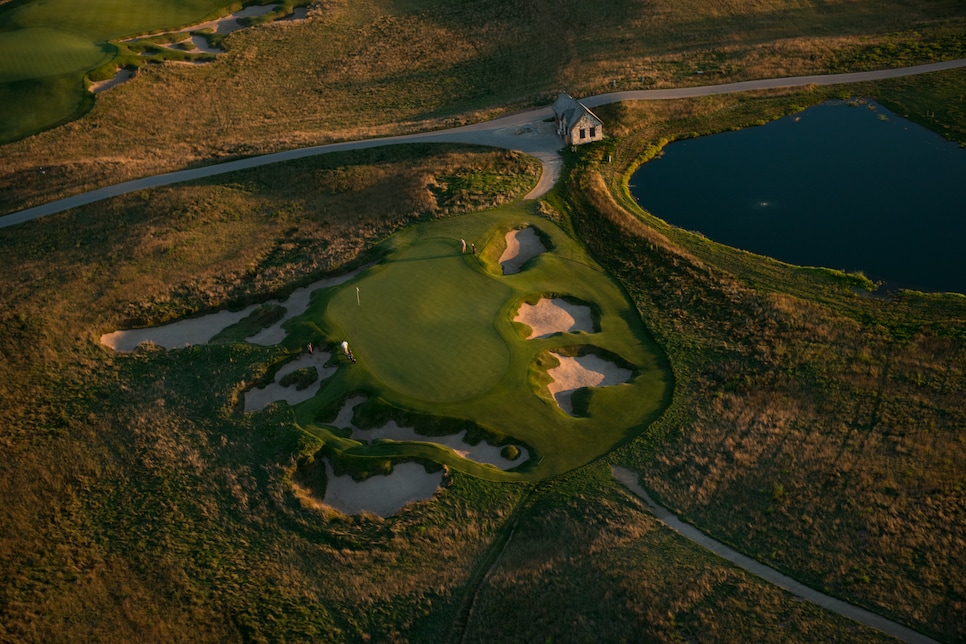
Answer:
(521, 247)
(547, 317)
(582, 371)
(202, 329)
(380, 495)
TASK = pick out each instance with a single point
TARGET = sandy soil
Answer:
(344, 419)
(547, 317)
(482, 452)
(177, 334)
(521, 246)
(256, 399)
(202, 329)
(224, 25)
(298, 13)
(121, 76)
(582, 371)
(380, 495)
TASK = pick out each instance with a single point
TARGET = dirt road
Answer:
(524, 131)
(688, 531)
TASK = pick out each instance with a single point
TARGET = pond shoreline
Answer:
(845, 185)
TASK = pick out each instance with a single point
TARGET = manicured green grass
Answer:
(141, 505)
(432, 332)
(40, 103)
(60, 38)
(101, 20)
(393, 66)
(426, 329)
(38, 52)
(806, 428)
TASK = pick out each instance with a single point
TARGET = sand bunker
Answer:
(121, 76)
(380, 495)
(202, 329)
(547, 317)
(344, 419)
(521, 247)
(177, 334)
(582, 371)
(482, 452)
(197, 43)
(224, 25)
(256, 399)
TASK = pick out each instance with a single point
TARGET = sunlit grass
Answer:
(431, 329)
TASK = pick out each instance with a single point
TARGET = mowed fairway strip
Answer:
(423, 323)
(41, 52)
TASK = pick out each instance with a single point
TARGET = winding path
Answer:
(524, 132)
(688, 531)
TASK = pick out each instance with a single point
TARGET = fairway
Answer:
(433, 333)
(47, 47)
(39, 52)
(101, 20)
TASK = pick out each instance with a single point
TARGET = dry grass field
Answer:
(815, 428)
(368, 68)
(140, 505)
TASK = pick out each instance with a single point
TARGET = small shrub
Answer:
(778, 493)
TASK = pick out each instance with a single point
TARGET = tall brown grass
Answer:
(363, 69)
(140, 505)
(815, 429)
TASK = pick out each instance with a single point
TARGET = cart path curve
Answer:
(629, 479)
(524, 132)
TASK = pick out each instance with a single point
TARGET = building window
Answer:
(583, 133)
(593, 132)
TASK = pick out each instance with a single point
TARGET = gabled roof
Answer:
(569, 110)
(564, 102)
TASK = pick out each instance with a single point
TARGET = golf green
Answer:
(433, 334)
(422, 322)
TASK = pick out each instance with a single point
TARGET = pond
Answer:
(840, 185)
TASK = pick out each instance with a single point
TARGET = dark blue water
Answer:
(848, 187)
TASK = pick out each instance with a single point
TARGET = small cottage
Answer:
(575, 123)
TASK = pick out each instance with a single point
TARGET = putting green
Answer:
(433, 334)
(423, 323)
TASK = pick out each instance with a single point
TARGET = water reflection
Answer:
(841, 186)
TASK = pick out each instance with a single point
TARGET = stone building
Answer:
(575, 123)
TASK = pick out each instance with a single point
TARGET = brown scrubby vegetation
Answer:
(587, 562)
(141, 505)
(168, 252)
(364, 68)
(818, 429)
(813, 427)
